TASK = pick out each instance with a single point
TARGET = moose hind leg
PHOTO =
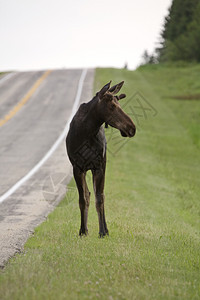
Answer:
(84, 199)
(98, 181)
(104, 221)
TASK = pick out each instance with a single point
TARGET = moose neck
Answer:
(93, 118)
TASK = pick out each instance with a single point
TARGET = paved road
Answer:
(34, 109)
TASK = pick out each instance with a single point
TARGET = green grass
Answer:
(152, 207)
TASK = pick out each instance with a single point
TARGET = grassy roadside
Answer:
(152, 207)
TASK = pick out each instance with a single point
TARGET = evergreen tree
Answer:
(181, 33)
(148, 58)
(180, 15)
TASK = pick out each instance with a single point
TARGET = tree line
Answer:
(180, 36)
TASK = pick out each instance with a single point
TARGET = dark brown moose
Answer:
(86, 147)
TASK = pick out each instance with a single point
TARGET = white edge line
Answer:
(6, 77)
(55, 145)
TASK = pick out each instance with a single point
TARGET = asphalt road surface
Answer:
(34, 110)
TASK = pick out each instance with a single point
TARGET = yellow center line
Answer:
(19, 105)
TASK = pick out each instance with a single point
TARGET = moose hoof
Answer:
(83, 232)
(106, 231)
(102, 234)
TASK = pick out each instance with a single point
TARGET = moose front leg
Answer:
(84, 199)
(98, 182)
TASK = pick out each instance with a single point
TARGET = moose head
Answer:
(111, 111)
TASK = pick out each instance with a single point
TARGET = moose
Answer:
(86, 147)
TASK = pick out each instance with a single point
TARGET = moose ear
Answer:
(104, 90)
(116, 88)
(121, 96)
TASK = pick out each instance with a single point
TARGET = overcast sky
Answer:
(43, 34)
